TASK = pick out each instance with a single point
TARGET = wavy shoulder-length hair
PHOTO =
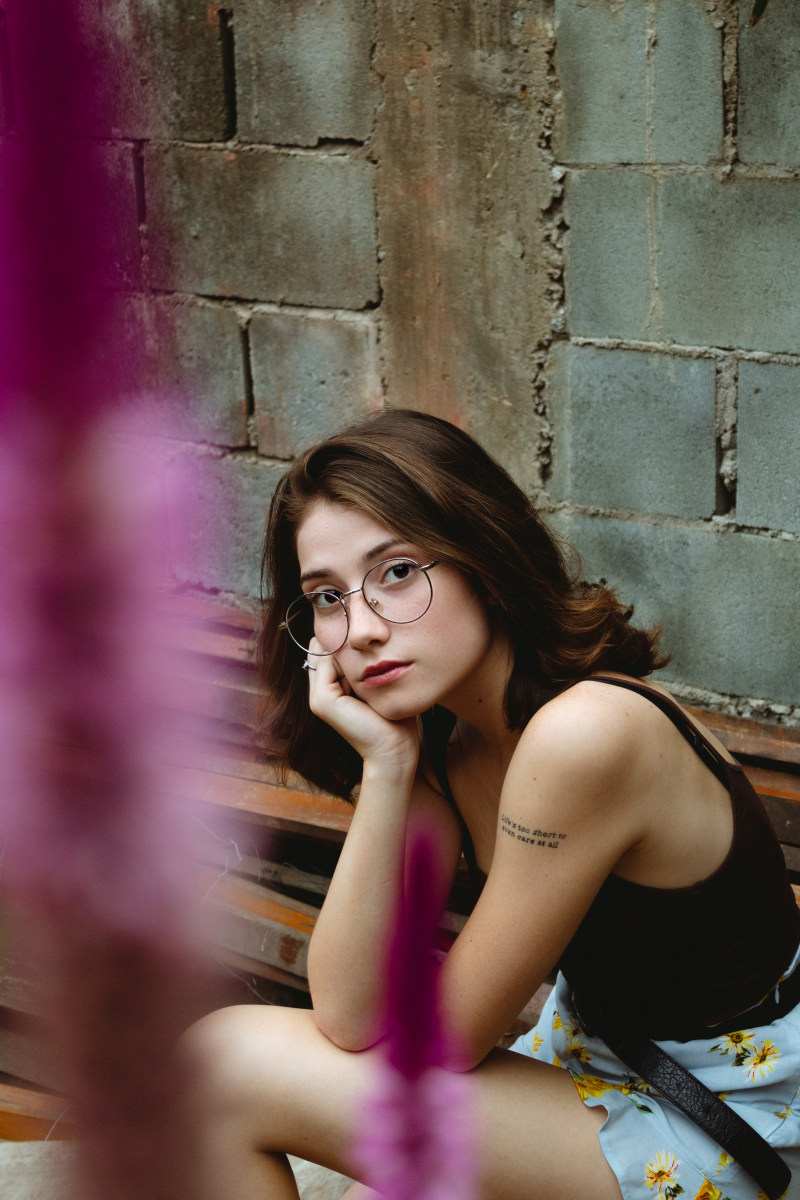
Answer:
(432, 484)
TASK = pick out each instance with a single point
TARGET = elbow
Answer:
(350, 1035)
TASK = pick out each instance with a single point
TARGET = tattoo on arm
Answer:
(550, 839)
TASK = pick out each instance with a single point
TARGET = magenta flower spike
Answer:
(96, 853)
(418, 1139)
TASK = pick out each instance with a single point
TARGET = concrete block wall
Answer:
(674, 389)
(571, 226)
(233, 142)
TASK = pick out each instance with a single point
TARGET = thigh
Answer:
(277, 1084)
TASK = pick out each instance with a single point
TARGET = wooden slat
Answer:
(779, 784)
(254, 966)
(210, 612)
(28, 1116)
(262, 926)
(278, 807)
(262, 902)
(758, 739)
(785, 817)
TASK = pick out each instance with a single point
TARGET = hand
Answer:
(394, 744)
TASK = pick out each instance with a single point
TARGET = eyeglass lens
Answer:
(398, 590)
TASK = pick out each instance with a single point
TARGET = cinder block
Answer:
(311, 376)
(189, 358)
(687, 111)
(601, 53)
(111, 175)
(607, 271)
(227, 498)
(634, 431)
(768, 491)
(600, 58)
(729, 262)
(157, 69)
(769, 68)
(262, 225)
(727, 601)
(310, 78)
(722, 269)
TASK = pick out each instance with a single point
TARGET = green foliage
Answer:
(758, 11)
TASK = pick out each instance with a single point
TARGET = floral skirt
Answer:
(657, 1153)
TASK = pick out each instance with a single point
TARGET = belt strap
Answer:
(705, 1108)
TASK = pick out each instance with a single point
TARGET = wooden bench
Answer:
(270, 847)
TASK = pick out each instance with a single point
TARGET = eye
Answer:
(394, 573)
(323, 602)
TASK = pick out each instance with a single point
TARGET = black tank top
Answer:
(673, 959)
(667, 960)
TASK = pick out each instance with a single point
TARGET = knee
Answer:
(233, 1058)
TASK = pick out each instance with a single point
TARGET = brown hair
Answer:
(434, 485)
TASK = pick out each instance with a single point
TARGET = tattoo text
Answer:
(535, 837)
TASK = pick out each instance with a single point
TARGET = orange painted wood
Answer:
(744, 735)
(267, 803)
(774, 783)
(30, 1116)
(251, 897)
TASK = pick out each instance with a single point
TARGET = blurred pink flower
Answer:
(418, 1140)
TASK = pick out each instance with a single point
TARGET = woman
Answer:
(410, 576)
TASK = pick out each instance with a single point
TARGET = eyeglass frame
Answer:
(352, 592)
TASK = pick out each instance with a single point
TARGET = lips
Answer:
(383, 672)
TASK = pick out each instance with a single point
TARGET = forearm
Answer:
(350, 946)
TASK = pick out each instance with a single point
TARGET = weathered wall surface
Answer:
(234, 146)
(572, 226)
(674, 396)
(463, 179)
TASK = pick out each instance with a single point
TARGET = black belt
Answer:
(694, 1099)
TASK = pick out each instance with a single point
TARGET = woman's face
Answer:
(398, 669)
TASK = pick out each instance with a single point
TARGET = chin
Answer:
(395, 709)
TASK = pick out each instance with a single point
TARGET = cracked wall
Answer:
(674, 396)
(571, 226)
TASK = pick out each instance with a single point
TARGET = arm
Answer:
(349, 948)
(578, 774)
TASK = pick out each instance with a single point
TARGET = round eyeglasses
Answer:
(398, 590)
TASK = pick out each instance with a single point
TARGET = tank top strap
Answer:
(708, 752)
(437, 725)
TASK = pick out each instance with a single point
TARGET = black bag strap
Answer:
(704, 1108)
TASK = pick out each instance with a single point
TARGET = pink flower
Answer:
(418, 1141)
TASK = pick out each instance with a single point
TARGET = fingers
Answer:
(324, 682)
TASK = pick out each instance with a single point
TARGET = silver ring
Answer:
(308, 667)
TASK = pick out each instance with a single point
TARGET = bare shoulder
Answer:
(593, 727)
(580, 782)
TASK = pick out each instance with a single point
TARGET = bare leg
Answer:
(273, 1084)
(359, 1192)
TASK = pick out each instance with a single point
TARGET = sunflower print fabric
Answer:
(657, 1153)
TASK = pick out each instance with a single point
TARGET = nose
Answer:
(366, 626)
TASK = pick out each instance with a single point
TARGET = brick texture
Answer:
(769, 68)
(621, 106)
(311, 375)
(262, 225)
(769, 446)
(310, 78)
(710, 591)
(169, 69)
(634, 431)
(682, 276)
(227, 497)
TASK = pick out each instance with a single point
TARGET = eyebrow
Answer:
(371, 556)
